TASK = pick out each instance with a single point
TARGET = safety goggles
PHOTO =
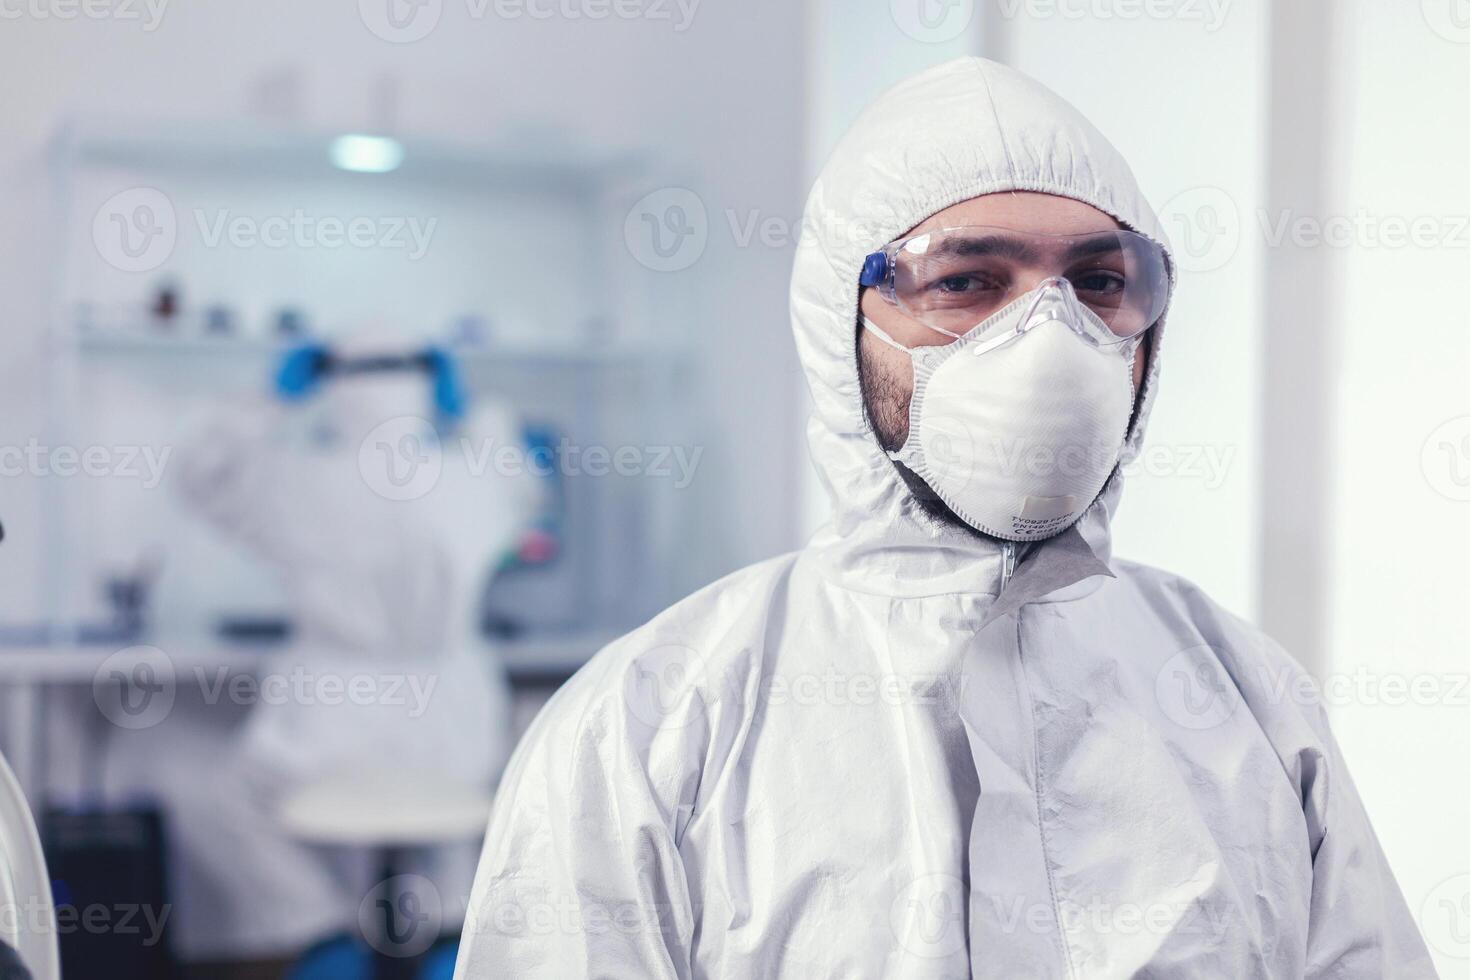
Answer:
(953, 279)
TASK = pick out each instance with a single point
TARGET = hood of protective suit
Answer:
(892, 754)
(966, 128)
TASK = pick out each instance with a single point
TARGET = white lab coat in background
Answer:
(382, 592)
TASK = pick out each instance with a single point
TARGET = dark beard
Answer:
(886, 405)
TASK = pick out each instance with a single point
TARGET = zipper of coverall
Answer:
(1008, 568)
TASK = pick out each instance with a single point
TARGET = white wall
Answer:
(1402, 516)
(1181, 98)
(688, 90)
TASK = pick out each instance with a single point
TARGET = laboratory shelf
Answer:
(264, 149)
(160, 346)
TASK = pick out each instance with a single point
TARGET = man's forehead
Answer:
(1026, 211)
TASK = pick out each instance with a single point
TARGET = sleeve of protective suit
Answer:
(1359, 924)
(581, 874)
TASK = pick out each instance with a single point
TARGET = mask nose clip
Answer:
(1055, 301)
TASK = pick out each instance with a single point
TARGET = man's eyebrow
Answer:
(1102, 244)
(1003, 246)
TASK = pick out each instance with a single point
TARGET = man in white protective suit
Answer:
(383, 692)
(953, 736)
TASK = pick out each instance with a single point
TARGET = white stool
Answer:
(392, 814)
(27, 913)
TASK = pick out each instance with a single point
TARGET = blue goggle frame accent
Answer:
(875, 269)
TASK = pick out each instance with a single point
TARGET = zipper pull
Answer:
(1007, 564)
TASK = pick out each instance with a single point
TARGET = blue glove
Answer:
(449, 396)
(300, 371)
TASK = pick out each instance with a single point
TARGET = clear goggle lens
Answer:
(954, 278)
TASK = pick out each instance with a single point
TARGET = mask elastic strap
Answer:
(882, 335)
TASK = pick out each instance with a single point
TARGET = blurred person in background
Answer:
(953, 736)
(384, 583)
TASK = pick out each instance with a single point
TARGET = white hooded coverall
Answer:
(876, 758)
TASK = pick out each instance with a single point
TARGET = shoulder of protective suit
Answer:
(677, 674)
(1191, 604)
(1271, 682)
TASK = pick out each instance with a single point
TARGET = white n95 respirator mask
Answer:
(1018, 423)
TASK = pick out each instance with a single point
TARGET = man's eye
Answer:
(1099, 283)
(961, 284)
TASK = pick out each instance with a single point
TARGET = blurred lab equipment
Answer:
(522, 572)
(383, 577)
(286, 536)
(398, 819)
(112, 860)
(165, 307)
(28, 931)
(290, 323)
